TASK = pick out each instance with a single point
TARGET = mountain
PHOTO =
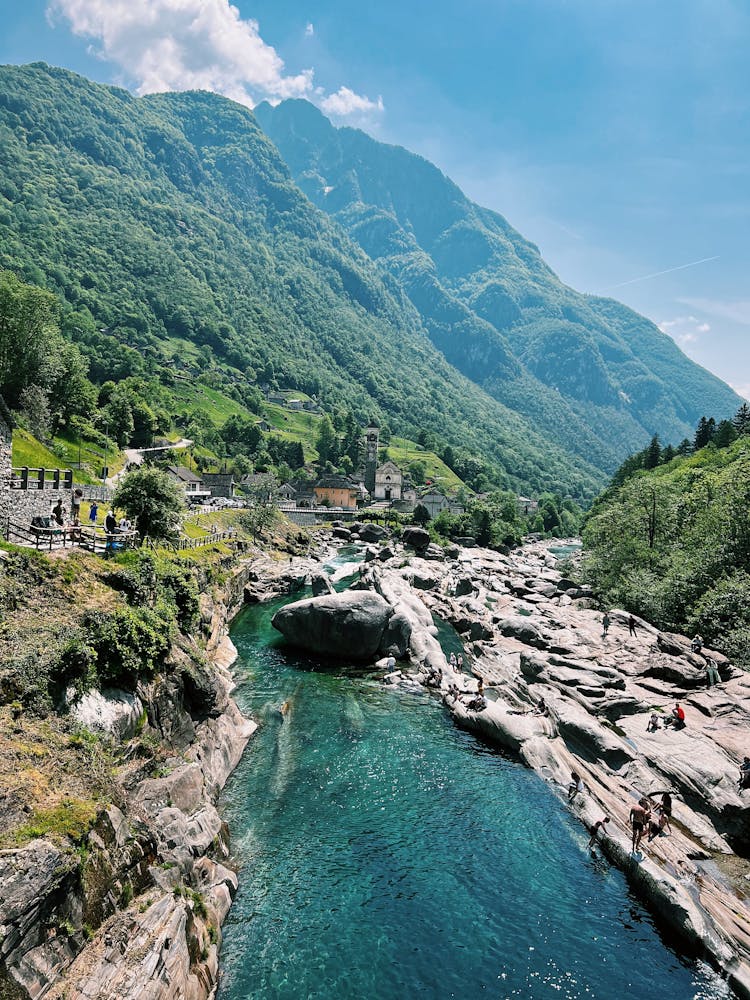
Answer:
(594, 376)
(172, 219)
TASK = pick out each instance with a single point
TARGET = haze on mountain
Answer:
(594, 376)
(174, 216)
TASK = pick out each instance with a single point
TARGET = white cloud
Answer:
(345, 103)
(194, 45)
(309, 29)
(738, 311)
(684, 330)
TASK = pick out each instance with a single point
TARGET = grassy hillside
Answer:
(170, 229)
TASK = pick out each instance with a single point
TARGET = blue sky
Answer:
(613, 133)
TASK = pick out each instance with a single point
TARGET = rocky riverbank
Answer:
(136, 910)
(532, 634)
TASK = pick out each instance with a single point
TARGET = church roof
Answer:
(388, 467)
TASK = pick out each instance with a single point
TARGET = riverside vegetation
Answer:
(670, 538)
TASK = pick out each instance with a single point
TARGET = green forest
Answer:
(177, 247)
(670, 538)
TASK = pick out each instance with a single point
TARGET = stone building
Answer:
(219, 484)
(338, 491)
(372, 436)
(388, 482)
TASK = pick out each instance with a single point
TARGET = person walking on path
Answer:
(606, 622)
(631, 626)
(639, 818)
(93, 511)
(712, 672)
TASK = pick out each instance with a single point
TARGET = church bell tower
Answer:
(372, 436)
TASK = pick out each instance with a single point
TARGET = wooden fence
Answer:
(94, 539)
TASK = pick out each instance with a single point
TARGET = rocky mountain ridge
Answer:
(593, 374)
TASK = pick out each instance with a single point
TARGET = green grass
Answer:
(28, 451)
(404, 452)
(72, 819)
(194, 396)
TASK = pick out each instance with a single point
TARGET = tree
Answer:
(420, 514)
(153, 501)
(35, 412)
(418, 473)
(653, 453)
(704, 433)
(326, 442)
(262, 511)
(725, 434)
(741, 420)
(27, 333)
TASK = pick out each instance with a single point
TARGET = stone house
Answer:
(434, 502)
(338, 491)
(287, 493)
(219, 484)
(192, 484)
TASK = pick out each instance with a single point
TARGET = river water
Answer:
(385, 854)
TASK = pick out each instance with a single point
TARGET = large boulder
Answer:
(347, 626)
(417, 538)
(395, 641)
(111, 711)
(373, 532)
(341, 532)
(321, 584)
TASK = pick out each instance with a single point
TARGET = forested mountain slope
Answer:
(173, 216)
(593, 375)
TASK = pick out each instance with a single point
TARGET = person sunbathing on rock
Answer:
(744, 779)
(541, 708)
(653, 723)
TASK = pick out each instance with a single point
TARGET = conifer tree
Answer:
(741, 420)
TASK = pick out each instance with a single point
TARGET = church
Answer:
(383, 482)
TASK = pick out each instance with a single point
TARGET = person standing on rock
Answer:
(606, 622)
(744, 780)
(712, 672)
(575, 785)
(639, 817)
(631, 626)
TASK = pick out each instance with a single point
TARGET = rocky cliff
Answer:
(136, 910)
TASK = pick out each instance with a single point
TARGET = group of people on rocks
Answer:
(646, 817)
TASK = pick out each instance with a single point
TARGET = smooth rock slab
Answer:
(348, 626)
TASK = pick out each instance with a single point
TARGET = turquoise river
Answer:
(384, 854)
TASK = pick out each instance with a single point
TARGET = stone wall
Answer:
(23, 505)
